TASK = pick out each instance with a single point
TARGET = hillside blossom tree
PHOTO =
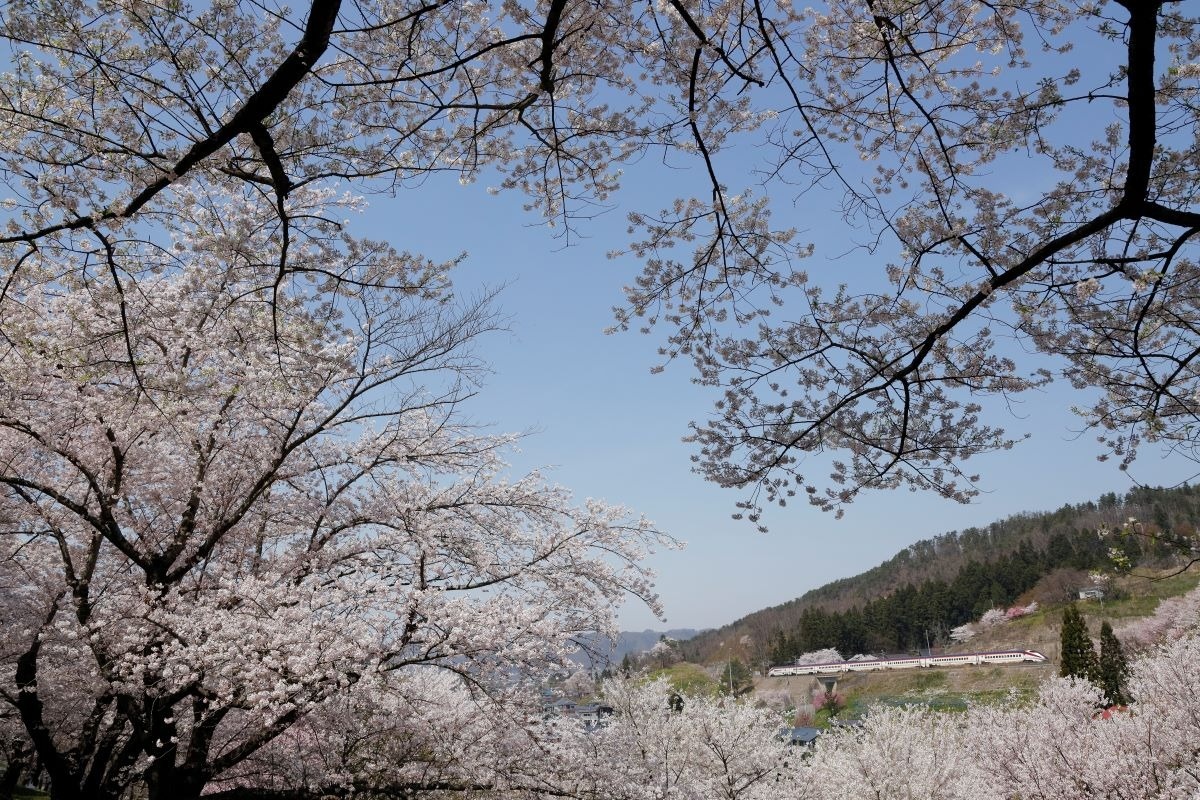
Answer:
(992, 618)
(1172, 618)
(963, 633)
(828, 655)
(1016, 612)
(664, 653)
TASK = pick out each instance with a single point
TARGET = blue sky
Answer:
(603, 426)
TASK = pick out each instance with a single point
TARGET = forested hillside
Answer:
(922, 592)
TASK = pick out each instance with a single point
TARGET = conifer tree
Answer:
(1078, 655)
(1113, 668)
(737, 678)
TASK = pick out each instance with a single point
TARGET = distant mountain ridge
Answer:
(608, 653)
(634, 642)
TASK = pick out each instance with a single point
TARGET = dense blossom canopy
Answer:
(240, 520)
(1018, 176)
(234, 503)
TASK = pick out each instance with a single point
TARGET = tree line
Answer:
(914, 617)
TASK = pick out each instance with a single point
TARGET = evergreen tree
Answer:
(626, 666)
(737, 678)
(1078, 654)
(1113, 668)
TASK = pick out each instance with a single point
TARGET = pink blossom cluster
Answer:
(1021, 611)
(829, 700)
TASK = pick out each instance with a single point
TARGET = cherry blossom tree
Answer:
(830, 702)
(907, 116)
(915, 114)
(16, 753)
(993, 617)
(427, 735)
(707, 747)
(235, 501)
(1174, 617)
(903, 752)
(963, 633)
(664, 653)
(579, 684)
(828, 655)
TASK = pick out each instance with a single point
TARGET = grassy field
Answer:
(1144, 594)
(943, 689)
(688, 678)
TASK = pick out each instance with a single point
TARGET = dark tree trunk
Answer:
(172, 784)
(18, 759)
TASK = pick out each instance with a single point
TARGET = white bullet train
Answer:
(948, 660)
